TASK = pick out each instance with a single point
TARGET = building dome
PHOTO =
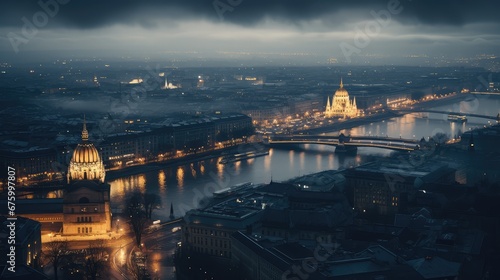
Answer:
(86, 153)
(86, 164)
(341, 92)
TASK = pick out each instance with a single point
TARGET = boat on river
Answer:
(242, 156)
(457, 118)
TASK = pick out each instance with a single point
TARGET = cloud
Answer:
(91, 14)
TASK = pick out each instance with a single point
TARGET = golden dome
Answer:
(341, 92)
(86, 163)
(86, 153)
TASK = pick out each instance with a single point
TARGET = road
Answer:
(160, 249)
(159, 246)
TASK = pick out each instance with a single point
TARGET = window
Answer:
(77, 219)
(78, 230)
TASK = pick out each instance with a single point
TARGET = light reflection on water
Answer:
(177, 186)
(162, 185)
(412, 127)
(180, 177)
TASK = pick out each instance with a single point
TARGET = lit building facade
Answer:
(341, 106)
(166, 139)
(86, 209)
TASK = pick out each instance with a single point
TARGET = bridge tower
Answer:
(342, 148)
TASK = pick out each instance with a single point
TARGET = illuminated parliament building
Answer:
(341, 105)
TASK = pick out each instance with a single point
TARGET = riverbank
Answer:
(157, 165)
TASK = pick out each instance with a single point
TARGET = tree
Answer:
(95, 262)
(151, 201)
(440, 138)
(54, 253)
(137, 215)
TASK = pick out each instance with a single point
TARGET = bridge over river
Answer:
(423, 110)
(347, 143)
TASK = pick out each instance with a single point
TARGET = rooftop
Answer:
(234, 210)
(321, 181)
(435, 267)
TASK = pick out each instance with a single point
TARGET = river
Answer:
(185, 185)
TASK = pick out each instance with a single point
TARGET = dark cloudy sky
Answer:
(325, 28)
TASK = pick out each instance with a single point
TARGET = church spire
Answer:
(341, 83)
(85, 133)
(171, 211)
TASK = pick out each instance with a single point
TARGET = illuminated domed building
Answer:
(86, 209)
(341, 105)
(86, 164)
